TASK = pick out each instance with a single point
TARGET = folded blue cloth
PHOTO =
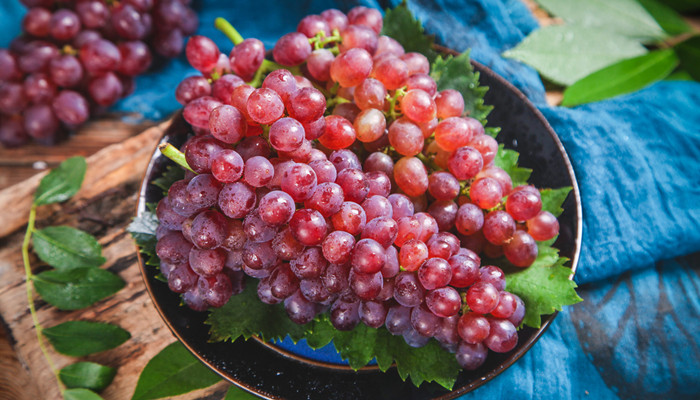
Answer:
(637, 160)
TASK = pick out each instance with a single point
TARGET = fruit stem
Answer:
(30, 295)
(428, 162)
(227, 29)
(174, 154)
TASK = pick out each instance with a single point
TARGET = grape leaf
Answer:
(624, 17)
(236, 393)
(552, 199)
(87, 375)
(76, 288)
(81, 338)
(544, 286)
(689, 54)
(507, 159)
(565, 54)
(171, 372)
(143, 231)
(669, 20)
(400, 24)
(64, 247)
(80, 394)
(172, 174)
(623, 77)
(458, 73)
(61, 183)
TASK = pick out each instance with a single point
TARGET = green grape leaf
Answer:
(172, 372)
(76, 288)
(143, 231)
(507, 159)
(80, 394)
(87, 375)
(669, 20)
(400, 24)
(82, 338)
(458, 73)
(172, 174)
(624, 17)
(565, 54)
(544, 286)
(623, 77)
(61, 183)
(236, 393)
(64, 247)
(552, 199)
(689, 53)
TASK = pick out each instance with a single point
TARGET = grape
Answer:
(371, 93)
(265, 106)
(227, 124)
(493, 275)
(413, 254)
(286, 246)
(424, 321)
(445, 213)
(12, 133)
(291, 49)
(503, 337)
(182, 278)
(449, 103)
(425, 83)
(435, 273)
(202, 53)
(12, 98)
(344, 312)
(41, 123)
(408, 291)
(389, 45)
(486, 192)
(351, 67)
(482, 297)
(401, 206)
(487, 146)
(222, 89)
(191, 88)
(308, 226)
(299, 309)
(276, 208)
(258, 255)
(543, 226)
(465, 163)
(198, 111)
(368, 256)
(236, 199)
(36, 22)
(406, 137)
(258, 230)
(521, 250)
(366, 286)
(411, 176)
(523, 203)
(335, 277)
(299, 181)
(507, 303)
(70, 107)
(336, 19)
(398, 319)
(253, 146)
(283, 282)
(499, 227)
(370, 125)
(314, 290)
(207, 262)
(453, 133)
(215, 290)
(389, 270)
(307, 105)
(337, 247)
(343, 159)
(105, 90)
(354, 184)
(64, 24)
(416, 62)
(358, 37)
(247, 57)
(446, 333)
(469, 219)
(377, 206)
(365, 16)
(339, 133)
(319, 64)
(8, 66)
(129, 23)
(136, 58)
(373, 313)
(286, 134)
(418, 106)
(390, 71)
(100, 56)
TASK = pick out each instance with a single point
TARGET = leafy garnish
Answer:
(507, 159)
(143, 231)
(458, 73)
(80, 394)
(87, 375)
(61, 183)
(400, 24)
(236, 393)
(172, 174)
(76, 288)
(81, 338)
(544, 286)
(64, 247)
(171, 372)
(552, 199)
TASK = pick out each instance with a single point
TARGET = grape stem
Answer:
(429, 163)
(174, 154)
(392, 99)
(30, 296)
(227, 29)
(321, 40)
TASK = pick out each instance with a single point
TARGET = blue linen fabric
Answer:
(637, 161)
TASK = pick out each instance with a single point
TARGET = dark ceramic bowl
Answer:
(274, 373)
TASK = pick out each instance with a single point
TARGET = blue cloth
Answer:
(637, 160)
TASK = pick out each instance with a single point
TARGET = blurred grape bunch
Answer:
(76, 59)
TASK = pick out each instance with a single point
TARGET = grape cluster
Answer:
(318, 185)
(78, 57)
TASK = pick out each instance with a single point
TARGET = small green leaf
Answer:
(689, 53)
(77, 288)
(64, 247)
(507, 159)
(457, 73)
(81, 338)
(552, 199)
(236, 393)
(684, 6)
(172, 174)
(400, 24)
(87, 375)
(624, 17)
(172, 372)
(621, 78)
(565, 54)
(544, 286)
(669, 20)
(61, 183)
(80, 394)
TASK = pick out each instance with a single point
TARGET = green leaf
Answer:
(552, 199)
(565, 54)
(624, 17)
(544, 286)
(61, 183)
(457, 73)
(400, 24)
(622, 77)
(64, 247)
(81, 338)
(76, 288)
(507, 159)
(236, 393)
(684, 6)
(689, 53)
(669, 20)
(80, 394)
(172, 174)
(87, 375)
(172, 372)
(679, 75)
(143, 231)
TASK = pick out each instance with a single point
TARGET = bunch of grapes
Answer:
(346, 183)
(79, 57)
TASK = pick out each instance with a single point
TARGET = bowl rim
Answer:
(513, 357)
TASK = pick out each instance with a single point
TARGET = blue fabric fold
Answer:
(637, 160)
